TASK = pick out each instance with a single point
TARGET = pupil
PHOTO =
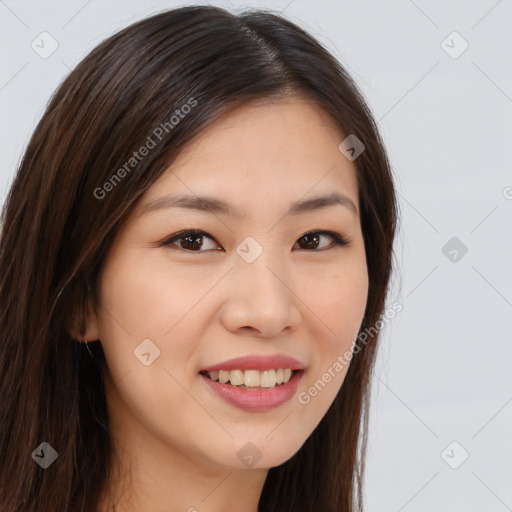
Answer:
(312, 238)
(196, 238)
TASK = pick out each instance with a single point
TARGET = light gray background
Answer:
(443, 371)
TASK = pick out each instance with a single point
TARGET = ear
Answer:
(82, 320)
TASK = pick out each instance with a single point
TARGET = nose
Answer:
(260, 299)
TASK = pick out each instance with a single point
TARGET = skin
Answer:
(179, 439)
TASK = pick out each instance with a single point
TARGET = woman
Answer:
(199, 231)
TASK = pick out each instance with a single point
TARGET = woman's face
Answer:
(252, 285)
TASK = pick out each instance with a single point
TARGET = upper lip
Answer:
(256, 362)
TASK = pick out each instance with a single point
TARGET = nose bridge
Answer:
(258, 266)
(263, 299)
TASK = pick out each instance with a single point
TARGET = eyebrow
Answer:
(219, 207)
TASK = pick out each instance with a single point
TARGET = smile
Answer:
(252, 379)
(254, 382)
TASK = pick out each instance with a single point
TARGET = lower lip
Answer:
(256, 400)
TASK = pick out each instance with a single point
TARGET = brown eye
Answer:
(191, 241)
(311, 240)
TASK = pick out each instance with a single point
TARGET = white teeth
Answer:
(236, 377)
(223, 376)
(252, 378)
(268, 379)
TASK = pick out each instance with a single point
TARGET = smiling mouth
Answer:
(252, 379)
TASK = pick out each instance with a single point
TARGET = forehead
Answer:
(266, 151)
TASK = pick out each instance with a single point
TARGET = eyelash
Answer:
(337, 239)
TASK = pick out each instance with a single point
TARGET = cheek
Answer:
(146, 299)
(142, 301)
(339, 302)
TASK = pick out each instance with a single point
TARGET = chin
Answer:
(260, 451)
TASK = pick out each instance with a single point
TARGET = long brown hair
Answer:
(57, 227)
